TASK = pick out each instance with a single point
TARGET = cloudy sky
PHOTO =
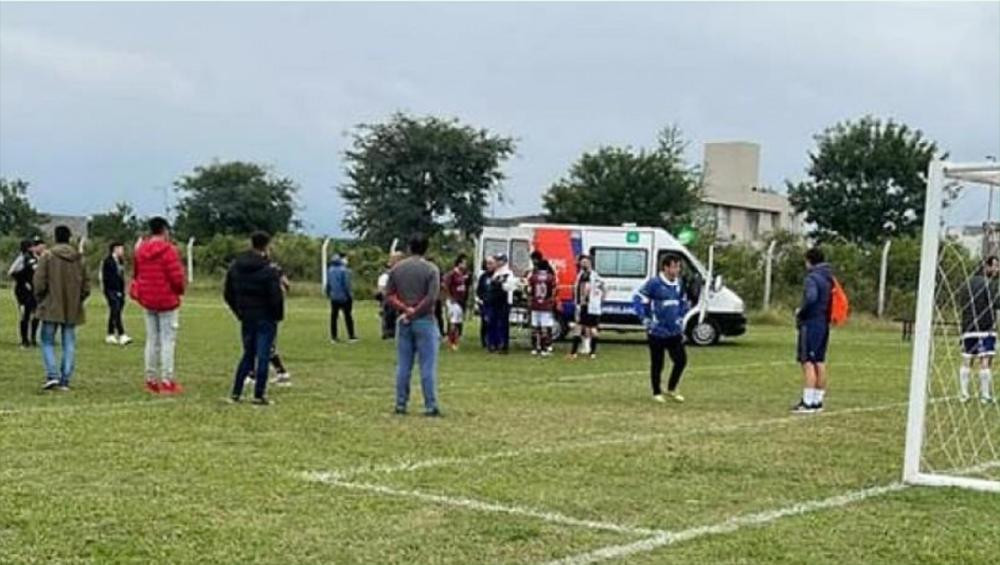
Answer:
(100, 103)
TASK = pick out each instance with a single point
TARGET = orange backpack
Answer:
(840, 306)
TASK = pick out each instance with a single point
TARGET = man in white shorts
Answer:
(541, 291)
(979, 330)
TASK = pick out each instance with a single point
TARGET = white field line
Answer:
(482, 506)
(409, 466)
(727, 526)
(744, 521)
(96, 407)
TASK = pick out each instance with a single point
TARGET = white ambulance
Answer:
(624, 257)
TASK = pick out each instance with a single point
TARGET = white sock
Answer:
(985, 384)
(808, 395)
(963, 381)
(820, 393)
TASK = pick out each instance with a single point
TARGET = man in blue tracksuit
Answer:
(338, 290)
(813, 319)
(661, 303)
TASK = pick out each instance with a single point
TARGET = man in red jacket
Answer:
(157, 285)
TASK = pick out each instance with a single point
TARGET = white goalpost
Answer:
(952, 439)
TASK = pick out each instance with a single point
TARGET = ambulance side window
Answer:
(694, 283)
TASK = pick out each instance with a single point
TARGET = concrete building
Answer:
(980, 240)
(743, 210)
(77, 224)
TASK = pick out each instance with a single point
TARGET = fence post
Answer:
(190, 259)
(767, 275)
(322, 266)
(883, 271)
(83, 244)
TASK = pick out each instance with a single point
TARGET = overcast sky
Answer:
(108, 102)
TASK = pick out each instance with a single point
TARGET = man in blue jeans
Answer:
(253, 292)
(61, 286)
(412, 289)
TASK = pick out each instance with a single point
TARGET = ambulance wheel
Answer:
(704, 333)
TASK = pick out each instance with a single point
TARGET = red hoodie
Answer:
(158, 279)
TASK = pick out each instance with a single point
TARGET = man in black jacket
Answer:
(22, 270)
(113, 279)
(980, 301)
(253, 293)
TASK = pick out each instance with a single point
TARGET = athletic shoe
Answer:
(170, 387)
(124, 340)
(63, 388)
(400, 411)
(964, 398)
(50, 384)
(547, 353)
(675, 396)
(283, 379)
(987, 400)
(152, 386)
(803, 408)
(111, 340)
(534, 352)
(593, 356)
(248, 382)
(571, 356)
(261, 401)
(233, 399)
(433, 413)
(353, 340)
(659, 398)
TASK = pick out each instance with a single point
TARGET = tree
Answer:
(616, 185)
(866, 181)
(420, 174)
(17, 216)
(235, 198)
(118, 224)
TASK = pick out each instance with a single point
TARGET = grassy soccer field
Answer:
(537, 461)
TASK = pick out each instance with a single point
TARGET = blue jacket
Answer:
(338, 281)
(816, 296)
(661, 305)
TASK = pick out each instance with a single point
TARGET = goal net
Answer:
(953, 427)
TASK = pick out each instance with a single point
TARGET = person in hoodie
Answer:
(661, 303)
(980, 300)
(60, 285)
(813, 320)
(22, 271)
(113, 279)
(338, 290)
(254, 294)
(158, 282)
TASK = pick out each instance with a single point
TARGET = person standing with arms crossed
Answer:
(113, 279)
(413, 287)
(661, 303)
(22, 270)
(158, 282)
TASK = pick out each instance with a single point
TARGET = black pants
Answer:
(674, 346)
(335, 309)
(484, 327)
(439, 317)
(28, 323)
(388, 321)
(116, 303)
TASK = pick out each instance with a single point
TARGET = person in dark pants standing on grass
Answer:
(661, 303)
(113, 279)
(414, 284)
(22, 270)
(813, 320)
(338, 290)
(253, 292)
(482, 300)
(61, 287)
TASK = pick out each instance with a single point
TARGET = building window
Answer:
(618, 262)
(753, 223)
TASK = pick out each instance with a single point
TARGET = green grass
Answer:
(107, 474)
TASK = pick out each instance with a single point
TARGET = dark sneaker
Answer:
(817, 407)
(261, 402)
(803, 408)
(400, 411)
(233, 399)
(433, 413)
(50, 384)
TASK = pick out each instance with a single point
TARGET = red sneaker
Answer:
(171, 387)
(152, 387)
